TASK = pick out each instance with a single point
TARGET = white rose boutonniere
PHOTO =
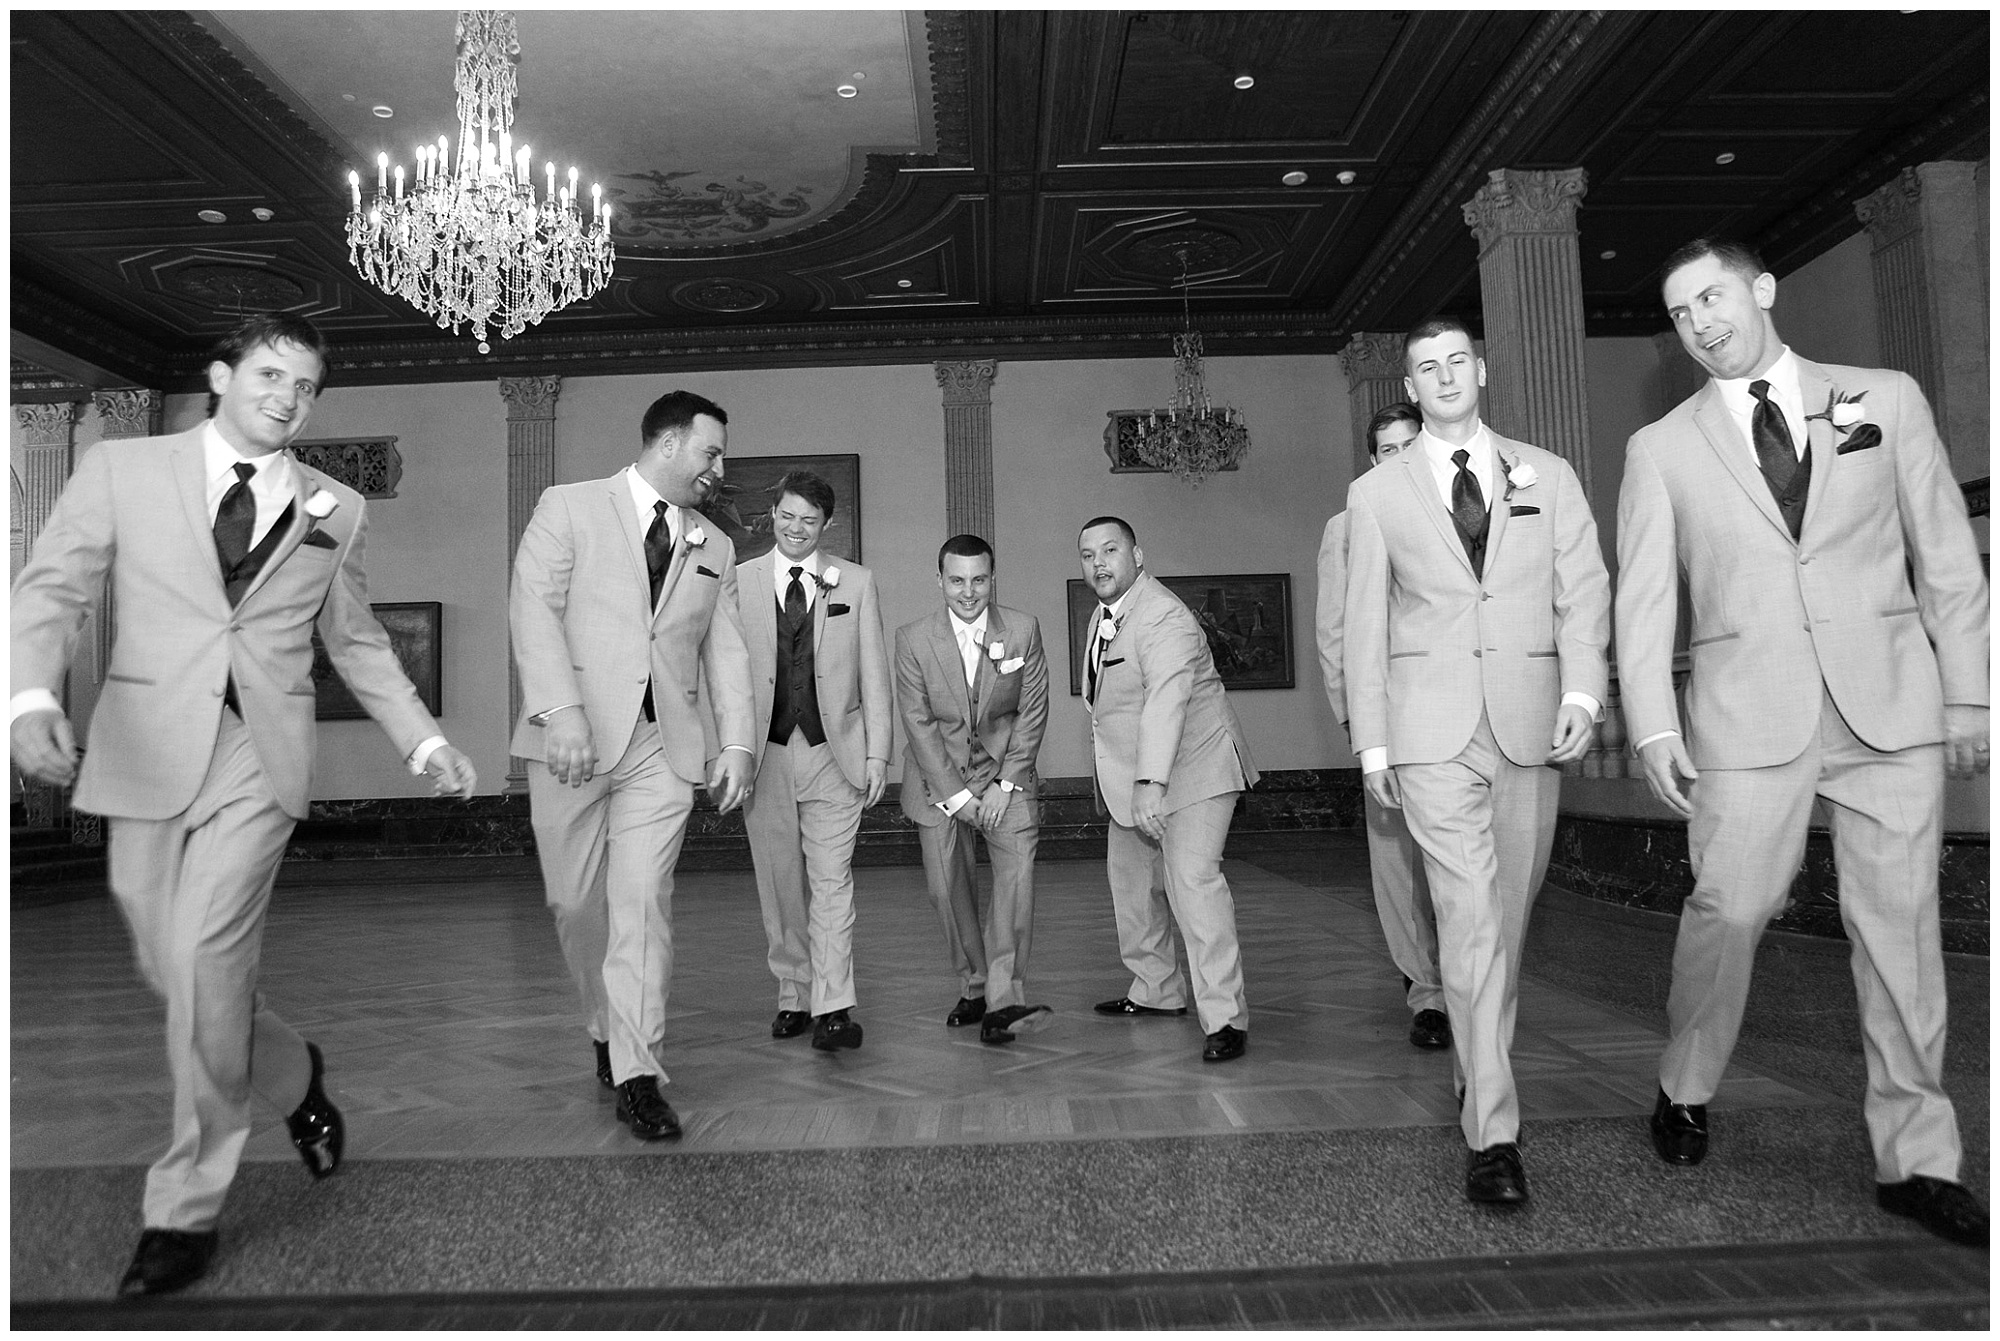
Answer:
(829, 577)
(695, 538)
(1520, 475)
(1107, 629)
(321, 504)
(996, 649)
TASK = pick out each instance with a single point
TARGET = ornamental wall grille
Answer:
(369, 466)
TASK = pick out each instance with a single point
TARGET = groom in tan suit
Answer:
(224, 553)
(1477, 614)
(820, 676)
(1840, 650)
(1169, 761)
(972, 687)
(623, 610)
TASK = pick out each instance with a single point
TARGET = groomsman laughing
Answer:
(973, 691)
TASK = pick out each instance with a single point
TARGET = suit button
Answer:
(1485, 595)
(1805, 560)
(1475, 651)
(236, 628)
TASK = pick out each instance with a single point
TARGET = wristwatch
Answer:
(1147, 782)
(1006, 786)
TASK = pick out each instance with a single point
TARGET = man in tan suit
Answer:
(224, 553)
(1169, 761)
(1402, 899)
(623, 609)
(1839, 642)
(973, 690)
(1477, 614)
(821, 680)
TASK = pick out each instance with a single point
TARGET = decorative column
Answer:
(1929, 259)
(1373, 361)
(531, 468)
(48, 450)
(968, 445)
(1531, 291)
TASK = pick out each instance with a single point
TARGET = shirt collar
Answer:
(1782, 375)
(1117, 607)
(783, 566)
(220, 459)
(960, 627)
(645, 498)
(1478, 447)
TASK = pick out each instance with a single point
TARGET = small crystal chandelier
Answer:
(1193, 439)
(472, 246)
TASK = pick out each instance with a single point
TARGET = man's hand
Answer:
(992, 805)
(1965, 740)
(568, 748)
(878, 778)
(1382, 785)
(1148, 813)
(453, 771)
(729, 780)
(1573, 732)
(45, 746)
(1663, 759)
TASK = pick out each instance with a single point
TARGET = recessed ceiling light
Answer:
(1294, 178)
(1725, 158)
(847, 90)
(1345, 178)
(1245, 81)
(347, 97)
(858, 76)
(902, 283)
(263, 215)
(1607, 256)
(383, 110)
(212, 216)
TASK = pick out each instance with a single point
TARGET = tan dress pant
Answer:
(194, 890)
(802, 819)
(1745, 843)
(1403, 903)
(1482, 889)
(1183, 875)
(607, 852)
(990, 954)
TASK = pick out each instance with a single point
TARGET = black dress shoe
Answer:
(1680, 1131)
(604, 1064)
(791, 1023)
(1431, 1029)
(1002, 1025)
(650, 1116)
(969, 1010)
(316, 1126)
(1225, 1044)
(1946, 1209)
(167, 1260)
(1125, 1005)
(834, 1030)
(1494, 1175)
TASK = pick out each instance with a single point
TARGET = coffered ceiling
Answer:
(1018, 184)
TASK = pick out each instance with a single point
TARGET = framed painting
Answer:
(743, 507)
(416, 632)
(1247, 617)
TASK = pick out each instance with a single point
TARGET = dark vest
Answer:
(795, 700)
(237, 581)
(1791, 500)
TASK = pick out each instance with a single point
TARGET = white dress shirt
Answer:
(970, 637)
(1481, 461)
(781, 575)
(644, 499)
(1736, 398)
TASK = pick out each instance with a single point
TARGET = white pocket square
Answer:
(1009, 667)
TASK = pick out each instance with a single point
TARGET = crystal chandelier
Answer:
(471, 245)
(1192, 439)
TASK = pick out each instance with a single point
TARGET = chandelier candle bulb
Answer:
(381, 174)
(354, 183)
(399, 181)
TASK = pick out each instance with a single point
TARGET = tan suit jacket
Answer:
(1429, 646)
(138, 510)
(583, 631)
(1328, 624)
(1160, 710)
(850, 665)
(1774, 617)
(1007, 712)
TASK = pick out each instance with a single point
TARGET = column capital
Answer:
(130, 412)
(530, 398)
(1890, 212)
(1525, 200)
(969, 382)
(1370, 355)
(48, 423)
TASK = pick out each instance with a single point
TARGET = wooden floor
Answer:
(450, 1031)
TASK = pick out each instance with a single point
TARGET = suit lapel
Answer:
(818, 607)
(1417, 470)
(1729, 445)
(1498, 510)
(988, 671)
(189, 465)
(618, 497)
(944, 651)
(1816, 388)
(675, 565)
(294, 533)
(763, 608)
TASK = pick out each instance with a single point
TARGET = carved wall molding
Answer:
(967, 389)
(372, 467)
(530, 398)
(1517, 200)
(48, 425)
(1890, 211)
(1369, 355)
(131, 412)
(949, 36)
(967, 383)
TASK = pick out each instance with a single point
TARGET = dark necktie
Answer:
(1096, 657)
(1773, 440)
(795, 597)
(1468, 511)
(236, 520)
(659, 549)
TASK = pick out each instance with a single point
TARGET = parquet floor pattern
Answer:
(450, 1030)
